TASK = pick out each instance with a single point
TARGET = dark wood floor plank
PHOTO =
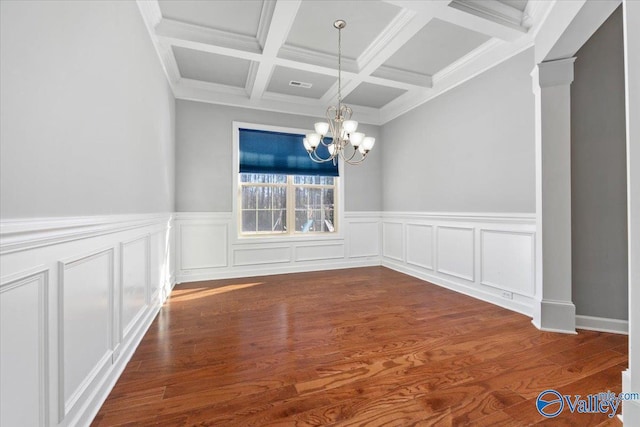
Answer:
(365, 346)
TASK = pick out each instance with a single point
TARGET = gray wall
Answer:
(468, 150)
(204, 156)
(598, 175)
(87, 117)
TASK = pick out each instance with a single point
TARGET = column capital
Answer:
(554, 73)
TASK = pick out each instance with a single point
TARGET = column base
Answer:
(555, 316)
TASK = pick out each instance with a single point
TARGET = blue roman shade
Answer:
(282, 153)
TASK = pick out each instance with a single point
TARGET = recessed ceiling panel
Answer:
(518, 4)
(239, 17)
(370, 95)
(434, 47)
(313, 28)
(210, 67)
(320, 83)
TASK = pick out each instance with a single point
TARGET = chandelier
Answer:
(346, 143)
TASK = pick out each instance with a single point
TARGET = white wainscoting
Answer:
(76, 296)
(487, 256)
(206, 250)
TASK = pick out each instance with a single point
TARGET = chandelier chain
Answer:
(339, 67)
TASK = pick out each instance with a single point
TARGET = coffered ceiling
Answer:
(396, 54)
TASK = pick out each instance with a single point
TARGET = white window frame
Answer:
(281, 237)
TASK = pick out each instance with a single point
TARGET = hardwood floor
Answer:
(366, 346)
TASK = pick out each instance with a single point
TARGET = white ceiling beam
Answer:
(558, 17)
(481, 20)
(400, 30)
(400, 79)
(284, 14)
(581, 28)
(193, 90)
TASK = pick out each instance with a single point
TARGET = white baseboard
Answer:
(270, 270)
(602, 324)
(517, 306)
(555, 316)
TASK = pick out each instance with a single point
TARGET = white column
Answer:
(631, 377)
(554, 310)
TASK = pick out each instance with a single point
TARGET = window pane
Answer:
(279, 198)
(314, 210)
(303, 223)
(264, 197)
(248, 197)
(314, 180)
(280, 220)
(263, 178)
(302, 197)
(265, 220)
(249, 221)
(327, 197)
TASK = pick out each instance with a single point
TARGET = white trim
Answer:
(40, 275)
(555, 316)
(466, 289)
(51, 246)
(602, 324)
(494, 11)
(24, 234)
(363, 214)
(508, 295)
(94, 401)
(470, 278)
(310, 253)
(273, 269)
(485, 282)
(512, 218)
(65, 406)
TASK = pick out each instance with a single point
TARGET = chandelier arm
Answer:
(316, 158)
(349, 159)
(357, 162)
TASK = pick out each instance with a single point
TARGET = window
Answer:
(264, 199)
(280, 190)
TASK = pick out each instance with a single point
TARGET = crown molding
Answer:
(495, 11)
(208, 39)
(469, 58)
(387, 73)
(507, 26)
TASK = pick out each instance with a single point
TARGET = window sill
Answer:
(307, 237)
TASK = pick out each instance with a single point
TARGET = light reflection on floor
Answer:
(180, 295)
